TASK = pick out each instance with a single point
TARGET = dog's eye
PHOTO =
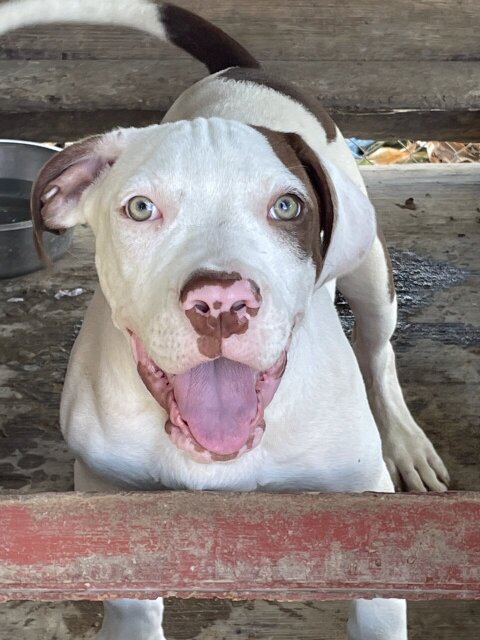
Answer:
(287, 207)
(140, 209)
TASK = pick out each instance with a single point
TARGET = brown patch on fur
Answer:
(231, 324)
(391, 283)
(258, 76)
(210, 346)
(255, 290)
(203, 40)
(225, 325)
(212, 330)
(318, 214)
(205, 278)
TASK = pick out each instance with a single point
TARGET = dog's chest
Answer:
(319, 427)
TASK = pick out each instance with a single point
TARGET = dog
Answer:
(211, 355)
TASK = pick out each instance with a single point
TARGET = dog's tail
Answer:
(169, 23)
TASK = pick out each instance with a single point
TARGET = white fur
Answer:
(218, 96)
(212, 178)
(137, 14)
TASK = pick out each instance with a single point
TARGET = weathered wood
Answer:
(151, 84)
(411, 124)
(206, 544)
(283, 30)
(62, 126)
(358, 60)
(139, 92)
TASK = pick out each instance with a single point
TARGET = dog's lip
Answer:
(183, 439)
(266, 383)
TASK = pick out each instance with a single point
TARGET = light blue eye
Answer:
(287, 207)
(140, 208)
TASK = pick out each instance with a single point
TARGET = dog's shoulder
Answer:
(253, 97)
(257, 78)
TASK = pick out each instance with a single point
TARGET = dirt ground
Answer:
(436, 257)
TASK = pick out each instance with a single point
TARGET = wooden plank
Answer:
(234, 545)
(68, 125)
(136, 93)
(284, 30)
(356, 59)
(411, 124)
(151, 84)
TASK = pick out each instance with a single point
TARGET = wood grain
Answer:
(283, 30)
(136, 93)
(67, 125)
(306, 546)
(155, 85)
(384, 70)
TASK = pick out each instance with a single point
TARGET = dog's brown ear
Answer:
(58, 188)
(347, 217)
(318, 178)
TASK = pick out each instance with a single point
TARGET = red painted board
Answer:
(294, 546)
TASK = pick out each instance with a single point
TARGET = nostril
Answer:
(201, 307)
(238, 306)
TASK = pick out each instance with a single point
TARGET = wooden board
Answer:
(233, 545)
(283, 30)
(65, 125)
(356, 59)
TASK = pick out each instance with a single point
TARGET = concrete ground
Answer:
(434, 242)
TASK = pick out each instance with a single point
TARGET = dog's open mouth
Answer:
(216, 408)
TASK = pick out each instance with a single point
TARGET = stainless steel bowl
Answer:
(19, 164)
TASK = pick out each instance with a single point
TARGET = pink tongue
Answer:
(218, 401)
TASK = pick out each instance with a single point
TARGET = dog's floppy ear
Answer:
(62, 180)
(347, 217)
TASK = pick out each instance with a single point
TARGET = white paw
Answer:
(125, 634)
(126, 619)
(412, 461)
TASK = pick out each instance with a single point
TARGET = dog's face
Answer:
(210, 239)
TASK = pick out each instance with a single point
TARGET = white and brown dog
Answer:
(211, 356)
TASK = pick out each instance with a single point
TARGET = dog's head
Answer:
(211, 237)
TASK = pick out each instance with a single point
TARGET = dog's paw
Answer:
(119, 635)
(412, 461)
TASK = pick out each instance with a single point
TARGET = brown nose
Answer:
(220, 305)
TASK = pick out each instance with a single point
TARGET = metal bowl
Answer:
(20, 163)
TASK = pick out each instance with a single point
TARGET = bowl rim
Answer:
(26, 224)
(16, 226)
(30, 143)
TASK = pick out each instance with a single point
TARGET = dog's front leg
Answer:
(124, 619)
(409, 454)
(377, 619)
(132, 620)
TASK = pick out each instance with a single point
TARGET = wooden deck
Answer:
(435, 251)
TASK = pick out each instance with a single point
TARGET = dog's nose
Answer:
(217, 296)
